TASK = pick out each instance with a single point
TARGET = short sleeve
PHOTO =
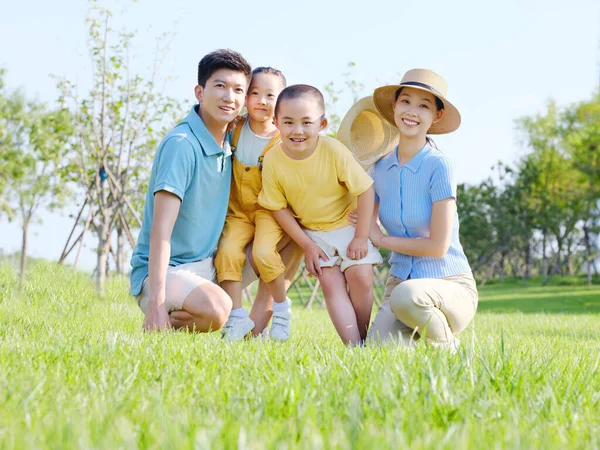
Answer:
(175, 166)
(350, 172)
(441, 183)
(271, 196)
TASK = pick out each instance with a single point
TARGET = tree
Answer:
(35, 142)
(581, 134)
(117, 127)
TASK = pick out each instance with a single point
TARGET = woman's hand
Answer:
(375, 233)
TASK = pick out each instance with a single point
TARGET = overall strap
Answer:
(236, 133)
(272, 143)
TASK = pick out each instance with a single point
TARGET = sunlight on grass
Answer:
(77, 372)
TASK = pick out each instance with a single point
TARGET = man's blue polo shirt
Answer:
(190, 164)
(406, 194)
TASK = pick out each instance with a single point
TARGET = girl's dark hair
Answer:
(438, 103)
(222, 59)
(270, 71)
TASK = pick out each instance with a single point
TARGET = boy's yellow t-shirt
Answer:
(320, 190)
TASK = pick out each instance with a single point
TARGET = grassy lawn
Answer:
(77, 372)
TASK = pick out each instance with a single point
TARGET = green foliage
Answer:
(545, 209)
(77, 372)
(34, 144)
(118, 123)
(332, 93)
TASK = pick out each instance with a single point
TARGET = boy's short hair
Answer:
(270, 71)
(222, 59)
(300, 90)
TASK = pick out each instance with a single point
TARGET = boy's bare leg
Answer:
(205, 309)
(360, 283)
(262, 308)
(339, 306)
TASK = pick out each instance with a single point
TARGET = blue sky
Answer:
(502, 60)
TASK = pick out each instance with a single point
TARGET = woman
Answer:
(430, 291)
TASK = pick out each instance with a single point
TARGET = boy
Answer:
(311, 184)
(172, 270)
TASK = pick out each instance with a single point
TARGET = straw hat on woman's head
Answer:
(425, 80)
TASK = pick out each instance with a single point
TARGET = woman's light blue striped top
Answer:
(405, 195)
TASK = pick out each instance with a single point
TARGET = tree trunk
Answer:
(544, 255)
(102, 265)
(120, 260)
(588, 253)
(502, 265)
(23, 263)
(528, 259)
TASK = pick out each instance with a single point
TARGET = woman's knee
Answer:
(405, 300)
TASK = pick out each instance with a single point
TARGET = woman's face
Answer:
(415, 111)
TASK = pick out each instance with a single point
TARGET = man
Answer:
(186, 203)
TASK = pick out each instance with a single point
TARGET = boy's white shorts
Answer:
(335, 242)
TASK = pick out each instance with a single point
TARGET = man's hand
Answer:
(157, 318)
(231, 125)
(312, 253)
(358, 248)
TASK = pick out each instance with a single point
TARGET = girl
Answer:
(246, 221)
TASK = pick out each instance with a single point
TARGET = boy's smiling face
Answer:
(222, 98)
(299, 121)
(262, 96)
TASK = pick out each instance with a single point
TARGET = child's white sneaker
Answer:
(280, 326)
(237, 328)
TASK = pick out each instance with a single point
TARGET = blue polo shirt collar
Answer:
(207, 141)
(391, 160)
(414, 164)
(417, 160)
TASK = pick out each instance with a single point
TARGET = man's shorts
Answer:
(184, 278)
(335, 243)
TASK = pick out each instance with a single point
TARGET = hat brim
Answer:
(385, 96)
(367, 133)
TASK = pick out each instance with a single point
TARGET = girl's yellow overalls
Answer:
(247, 220)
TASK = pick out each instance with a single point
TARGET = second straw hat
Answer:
(366, 133)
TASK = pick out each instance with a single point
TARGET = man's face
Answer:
(299, 121)
(222, 98)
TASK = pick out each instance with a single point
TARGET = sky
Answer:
(502, 60)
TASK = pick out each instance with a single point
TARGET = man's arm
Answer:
(312, 252)
(166, 209)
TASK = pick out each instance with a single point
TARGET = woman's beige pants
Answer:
(439, 308)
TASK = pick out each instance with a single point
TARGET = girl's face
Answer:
(262, 96)
(415, 111)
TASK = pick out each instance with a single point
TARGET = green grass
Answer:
(77, 372)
